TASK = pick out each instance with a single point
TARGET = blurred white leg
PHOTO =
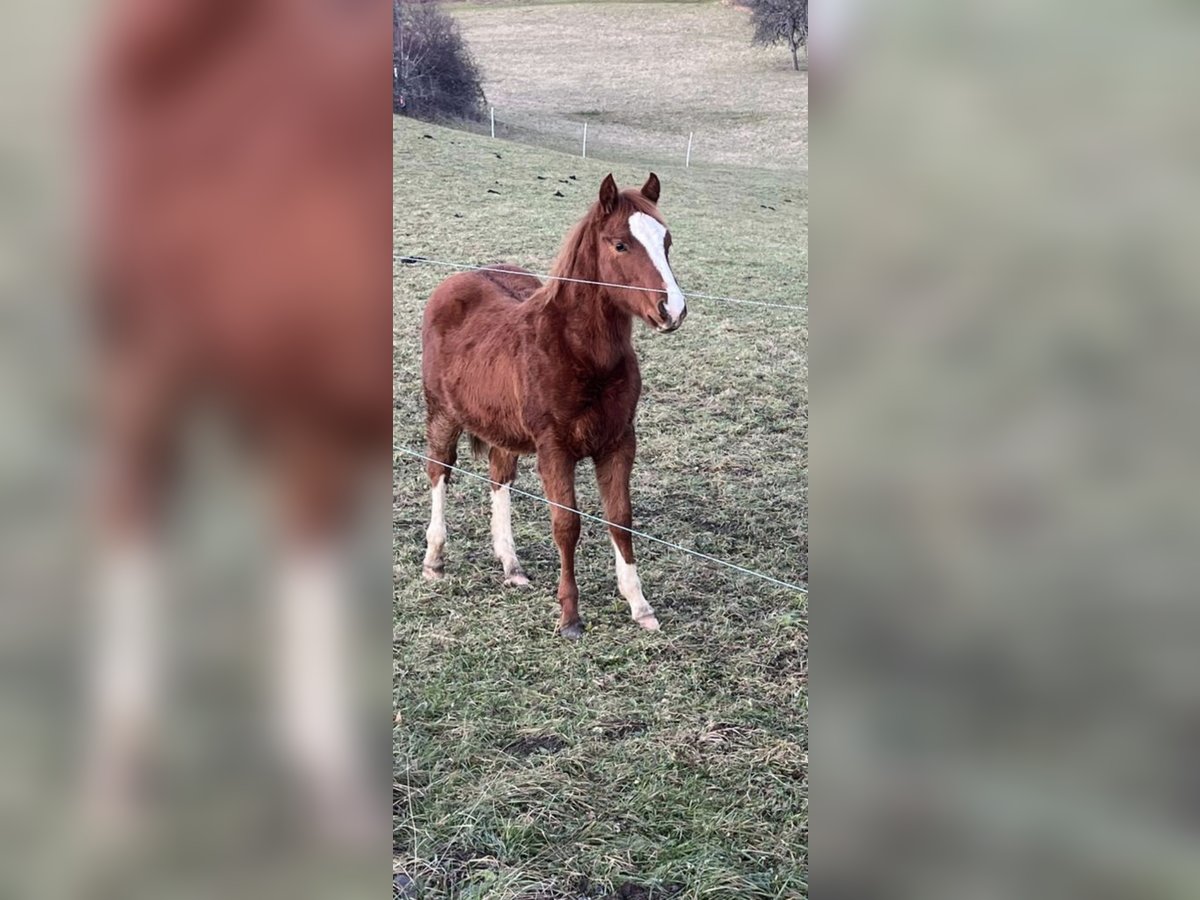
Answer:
(630, 587)
(125, 675)
(435, 535)
(316, 722)
(502, 536)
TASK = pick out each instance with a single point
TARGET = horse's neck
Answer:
(594, 331)
(580, 318)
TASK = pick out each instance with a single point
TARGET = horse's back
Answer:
(471, 350)
(479, 299)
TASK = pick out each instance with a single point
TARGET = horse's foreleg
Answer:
(502, 469)
(558, 478)
(443, 448)
(612, 475)
(137, 451)
(315, 657)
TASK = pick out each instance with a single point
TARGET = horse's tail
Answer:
(479, 447)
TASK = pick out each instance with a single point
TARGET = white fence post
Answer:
(688, 162)
(493, 121)
(585, 140)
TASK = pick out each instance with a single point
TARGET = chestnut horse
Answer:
(550, 369)
(238, 232)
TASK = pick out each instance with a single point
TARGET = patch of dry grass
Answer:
(643, 75)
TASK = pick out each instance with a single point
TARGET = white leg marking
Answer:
(630, 587)
(502, 536)
(435, 535)
(315, 721)
(129, 597)
(651, 234)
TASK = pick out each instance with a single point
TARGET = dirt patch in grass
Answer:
(583, 889)
(404, 887)
(632, 891)
(615, 731)
(458, 867)
(533, 744)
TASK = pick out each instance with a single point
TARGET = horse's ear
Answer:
(608, 194)
(651, 188)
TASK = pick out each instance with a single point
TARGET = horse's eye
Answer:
(621, 248)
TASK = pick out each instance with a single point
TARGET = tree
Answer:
(435, 74)
(781, 21)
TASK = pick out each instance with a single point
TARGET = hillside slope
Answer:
(643, 76)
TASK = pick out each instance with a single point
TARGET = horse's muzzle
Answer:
(665, 324)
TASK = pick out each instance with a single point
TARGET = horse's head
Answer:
(634, 249)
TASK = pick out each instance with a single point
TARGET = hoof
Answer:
(433, 573)
(650, 622)
(516, 579)
(572, 632)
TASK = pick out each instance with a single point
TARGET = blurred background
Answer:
(195, 385)
(1004, 603)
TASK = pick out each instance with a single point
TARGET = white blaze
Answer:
(651, 234)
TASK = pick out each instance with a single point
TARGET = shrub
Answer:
(435, 74)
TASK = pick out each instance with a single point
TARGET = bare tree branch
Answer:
(781, 21)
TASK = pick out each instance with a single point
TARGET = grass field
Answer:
(643, 75)
(629, 764)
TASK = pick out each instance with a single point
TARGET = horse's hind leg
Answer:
(442, 436)
(315, 659)
(138, 422)
(502, 469)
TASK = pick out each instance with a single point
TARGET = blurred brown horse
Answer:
(239, 247)
(550, 369)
